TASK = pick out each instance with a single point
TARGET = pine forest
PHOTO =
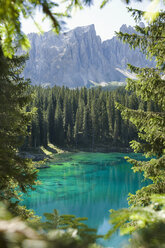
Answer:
(82, 117)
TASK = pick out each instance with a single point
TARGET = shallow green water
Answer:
(86, 184)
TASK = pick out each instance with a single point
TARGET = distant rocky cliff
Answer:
(79, 56)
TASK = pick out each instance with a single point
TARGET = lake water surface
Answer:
(86, 185)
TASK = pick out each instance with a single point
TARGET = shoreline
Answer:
(41, 155)
(101, 149)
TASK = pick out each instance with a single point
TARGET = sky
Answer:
(106, 20)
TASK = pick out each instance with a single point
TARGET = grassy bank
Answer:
(40, 155)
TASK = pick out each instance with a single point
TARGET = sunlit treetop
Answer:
(13, 11)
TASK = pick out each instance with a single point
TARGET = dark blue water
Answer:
(87, 185)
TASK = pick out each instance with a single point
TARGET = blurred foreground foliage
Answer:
(147, 223)
(65, 231)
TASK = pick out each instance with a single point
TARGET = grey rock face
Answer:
(77, 57)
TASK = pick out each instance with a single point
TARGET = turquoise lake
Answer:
(87, 185)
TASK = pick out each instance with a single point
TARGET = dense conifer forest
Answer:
(82, 117)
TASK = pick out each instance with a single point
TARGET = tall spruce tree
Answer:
(147, 209)
(17, 174)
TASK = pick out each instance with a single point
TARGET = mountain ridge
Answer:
(77, 57)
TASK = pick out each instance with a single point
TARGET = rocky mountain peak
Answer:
(84, 29)
(127, 29)
(77, 57)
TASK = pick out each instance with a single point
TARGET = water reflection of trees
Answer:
(86, 190)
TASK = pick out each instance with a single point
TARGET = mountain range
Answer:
(79, 58)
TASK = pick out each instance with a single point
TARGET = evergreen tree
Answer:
(110, 113)
(103, 118)
(35, 131)
(65, 116)
(51, 128)
(150, 86)
(85, 126)
(94, 118)
(86, 117)
(58, 125)
(69, 135)
(17, 174)
(76, 128)
(117, 127)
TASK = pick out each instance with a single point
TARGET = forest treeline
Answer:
(82, 117)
